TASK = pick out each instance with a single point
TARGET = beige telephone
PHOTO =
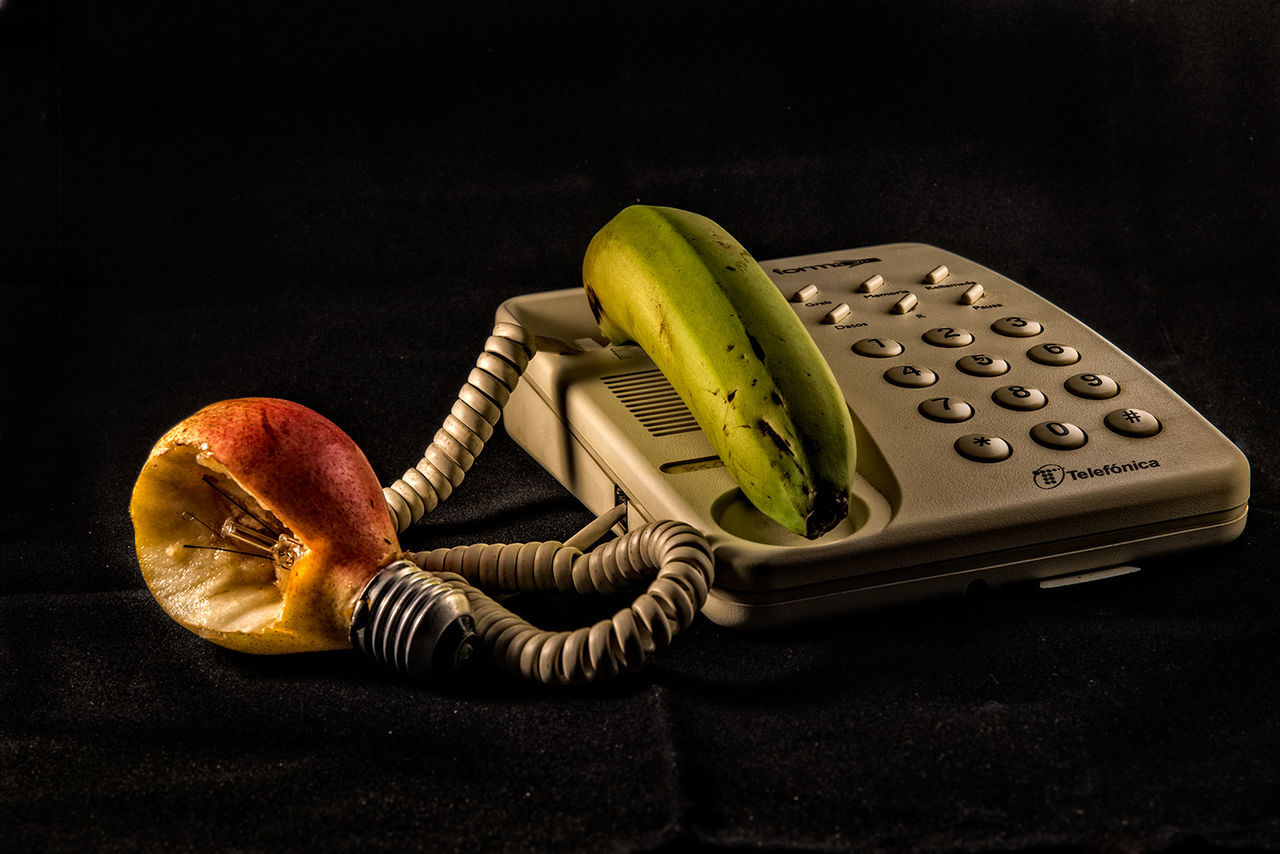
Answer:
(999, 440)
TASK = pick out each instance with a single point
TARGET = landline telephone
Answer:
(999, 440)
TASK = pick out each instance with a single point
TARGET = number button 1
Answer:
(877, 348)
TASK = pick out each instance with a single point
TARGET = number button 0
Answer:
(946, 409)
(1019, 397)
(1092, 386)
(1054, 355)
(1017, 327)
(947, 336)
(983, 366)
(1059, 435)
(877, 348)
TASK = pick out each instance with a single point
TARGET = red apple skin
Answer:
(319, 484)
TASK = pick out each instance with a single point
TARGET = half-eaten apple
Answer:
(258, 522)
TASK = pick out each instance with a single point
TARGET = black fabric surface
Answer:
(327, 202)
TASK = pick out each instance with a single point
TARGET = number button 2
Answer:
(947, 336)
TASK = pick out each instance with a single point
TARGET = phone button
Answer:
(1017, 327)
(1133, 422)
(982, 365)
(1092, 386)
(910, 376)
(871, 284)
(837, 314)
(947, 336)
(946, 409)
(906, 304)
(805, 294)
(1019, 398)
(877, 348)
(1059, 435)
(983, 449)
(1054, 355)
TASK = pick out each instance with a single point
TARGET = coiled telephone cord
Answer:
(674, 555)
(467, 427)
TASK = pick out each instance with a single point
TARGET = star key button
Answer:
(982, 448)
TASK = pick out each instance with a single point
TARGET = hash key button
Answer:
(1133, 422)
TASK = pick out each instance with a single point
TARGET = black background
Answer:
(327, 201)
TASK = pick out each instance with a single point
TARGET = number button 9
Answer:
(1092, 386)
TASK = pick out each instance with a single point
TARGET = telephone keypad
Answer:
(1058, 435)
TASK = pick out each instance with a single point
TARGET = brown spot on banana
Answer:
(774, 436)
(597, 310)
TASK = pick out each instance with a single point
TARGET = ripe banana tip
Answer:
(829, 509)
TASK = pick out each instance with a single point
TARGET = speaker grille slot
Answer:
(650, 398)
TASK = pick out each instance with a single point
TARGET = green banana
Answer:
(704, 311)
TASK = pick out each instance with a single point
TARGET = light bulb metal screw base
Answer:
(414, 622)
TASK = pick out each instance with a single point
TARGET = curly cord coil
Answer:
(673, 554)
(468, 426)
